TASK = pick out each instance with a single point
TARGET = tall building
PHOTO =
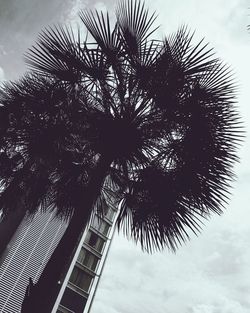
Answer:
(26, 256)
(30, 249)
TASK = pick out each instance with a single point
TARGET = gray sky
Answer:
(209, 274)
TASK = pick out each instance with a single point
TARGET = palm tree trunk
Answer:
(41, 296)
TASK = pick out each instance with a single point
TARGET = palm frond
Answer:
(135, 24)
(156, 219)
(55, 53)
(99, 27)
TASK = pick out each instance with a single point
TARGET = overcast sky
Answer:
(210, 274)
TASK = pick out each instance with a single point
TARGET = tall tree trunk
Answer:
(40, 298)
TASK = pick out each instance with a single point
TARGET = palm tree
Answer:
(150, 122)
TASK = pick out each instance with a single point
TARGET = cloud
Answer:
(20, 23)
(223, 306)
(210, 18)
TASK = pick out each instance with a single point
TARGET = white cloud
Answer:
(20, 23)
(223, 306)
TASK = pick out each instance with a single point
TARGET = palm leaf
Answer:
(55, 53)
(99, 27)
(135, 24)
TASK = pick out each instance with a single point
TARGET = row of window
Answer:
(83, 273)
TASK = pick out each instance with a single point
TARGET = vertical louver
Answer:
(27, 254)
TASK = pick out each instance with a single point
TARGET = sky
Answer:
(211, 272)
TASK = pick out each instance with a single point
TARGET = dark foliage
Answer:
(161, 112)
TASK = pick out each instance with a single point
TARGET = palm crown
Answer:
(159, 114)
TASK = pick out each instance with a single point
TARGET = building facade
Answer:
(26, 256)
(78, 289)
(30, 249)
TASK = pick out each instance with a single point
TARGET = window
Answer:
(63, 310)
(94, 241)
(72, 302)
(100, 225)
(81, 279)
(88, 259)
(109, 213)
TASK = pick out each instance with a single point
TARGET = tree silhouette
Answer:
(151, 123)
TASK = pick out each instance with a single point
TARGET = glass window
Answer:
(100, 225)
(63, 310)
(94, 241)
(88, 259)
(81, 279)
(109, 213)
(72, 301)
